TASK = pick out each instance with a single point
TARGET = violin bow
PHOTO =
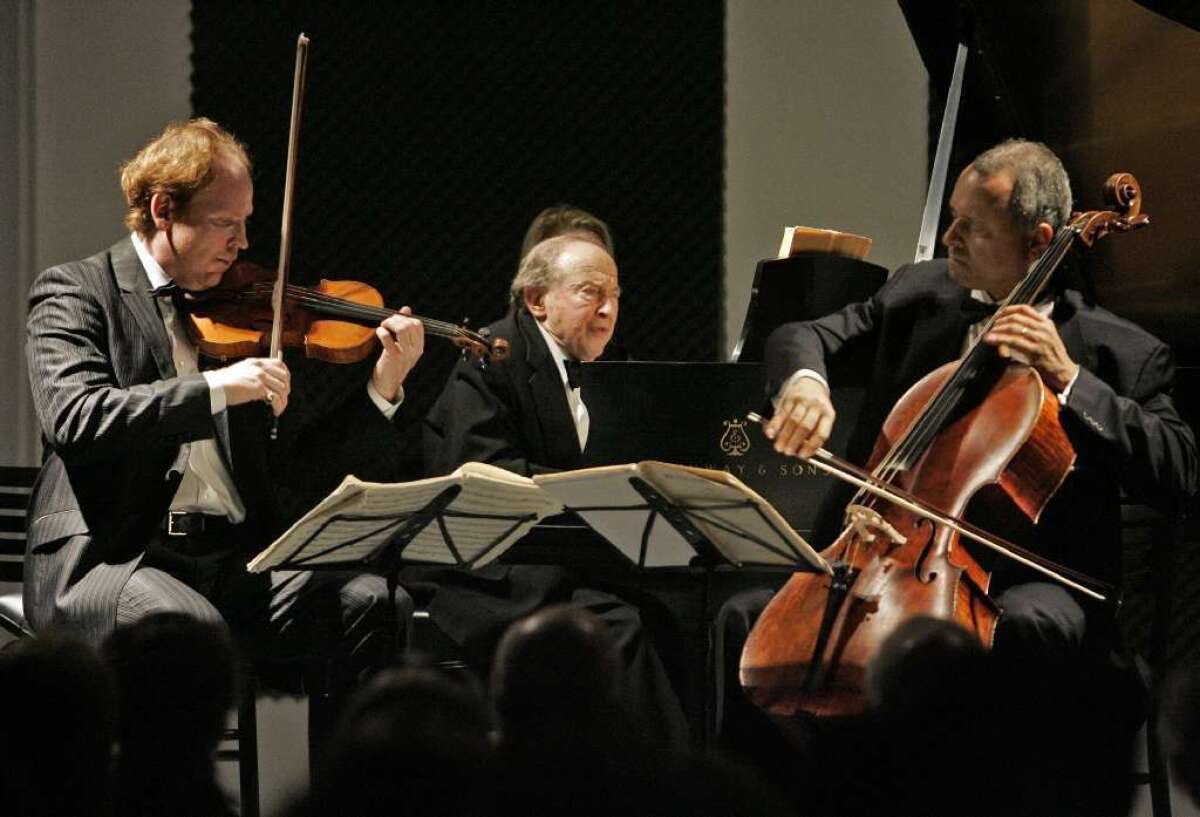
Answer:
(278, 295)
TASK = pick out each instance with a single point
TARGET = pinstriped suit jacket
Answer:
(116, 424)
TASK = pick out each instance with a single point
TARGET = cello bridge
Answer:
(869, 525)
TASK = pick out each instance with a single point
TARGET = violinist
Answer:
(157, 482)
(1113, 381)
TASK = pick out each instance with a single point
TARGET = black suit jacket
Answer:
(1120, 416)
(513, 414)
(117, 421)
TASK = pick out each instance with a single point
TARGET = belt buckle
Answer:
(177, 523)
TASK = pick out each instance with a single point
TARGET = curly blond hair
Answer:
(180, 161)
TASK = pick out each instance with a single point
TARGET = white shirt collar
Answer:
(154, 271)
(556, 351)
(1045, 307)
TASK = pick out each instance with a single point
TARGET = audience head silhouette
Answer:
(56, 742)
(175, 682)
(409, 741)
(557, 668)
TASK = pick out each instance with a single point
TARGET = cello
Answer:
(979, 427)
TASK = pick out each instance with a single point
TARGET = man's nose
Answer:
(608, 305)
(239, 239)
(951, 235)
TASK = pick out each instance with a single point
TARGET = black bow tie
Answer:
(978, 310)
(572, 367)
(168, 290)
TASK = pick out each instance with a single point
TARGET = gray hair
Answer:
(541, 267)
(1041, 190)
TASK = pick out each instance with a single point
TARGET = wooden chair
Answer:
(15, 484)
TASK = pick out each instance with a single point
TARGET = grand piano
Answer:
(1035, 70)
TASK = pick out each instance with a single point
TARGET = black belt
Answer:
(190, 523)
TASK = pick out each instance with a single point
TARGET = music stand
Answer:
(473, 517)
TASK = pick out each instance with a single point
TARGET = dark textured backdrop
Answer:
(433, 132)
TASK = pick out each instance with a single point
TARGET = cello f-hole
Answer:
(926, 549)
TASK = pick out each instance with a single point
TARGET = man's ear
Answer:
(1040, 239)
(535, 301)
(162, 211)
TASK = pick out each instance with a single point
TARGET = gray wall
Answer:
(93, 79)
(825, 127)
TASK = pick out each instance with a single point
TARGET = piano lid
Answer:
(1104, 85)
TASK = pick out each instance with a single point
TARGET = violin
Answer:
(980, 427)
(334, 321)
(256, 312)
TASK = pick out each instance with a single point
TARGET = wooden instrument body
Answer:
(1008, 448)
(233, 320)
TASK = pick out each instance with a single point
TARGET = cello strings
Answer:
(921, 432)
(948, 397)
(904, 454)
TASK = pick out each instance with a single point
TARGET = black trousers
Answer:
(317, 631)
(475, 608)
(1056, 681)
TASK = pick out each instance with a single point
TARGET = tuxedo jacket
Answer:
(1120, 416)
(117, 423)
(513, 414)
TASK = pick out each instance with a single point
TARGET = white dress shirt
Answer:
(207, 486)
(579, 412)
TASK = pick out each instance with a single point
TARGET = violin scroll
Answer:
(481, 346)
(1124, 194)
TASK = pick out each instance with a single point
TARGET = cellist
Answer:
(1113, 381)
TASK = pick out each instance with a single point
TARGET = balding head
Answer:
(570, 286)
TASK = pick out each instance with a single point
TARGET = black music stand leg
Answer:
(400, 628)
(839, 588)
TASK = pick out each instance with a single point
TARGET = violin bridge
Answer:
(869, 525)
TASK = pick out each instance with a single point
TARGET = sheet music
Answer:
(745, 533)
(608, 486)
(740, 524)
(358, 518)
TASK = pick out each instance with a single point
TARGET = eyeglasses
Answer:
(587, 293)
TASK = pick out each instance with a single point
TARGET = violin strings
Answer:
(341, 307)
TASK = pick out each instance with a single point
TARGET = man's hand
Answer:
(1033, 338)
(403, 340)
(255, 378)
(803, 418)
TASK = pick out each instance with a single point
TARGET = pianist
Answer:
(526, 414)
